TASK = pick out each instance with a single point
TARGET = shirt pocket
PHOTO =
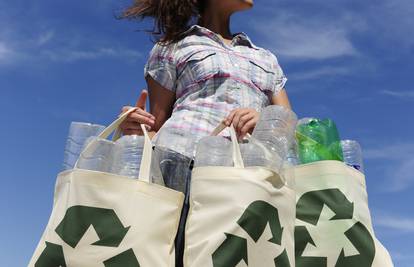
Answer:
(262, 75)
(199, 65)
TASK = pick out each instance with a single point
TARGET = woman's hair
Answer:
(171, 17)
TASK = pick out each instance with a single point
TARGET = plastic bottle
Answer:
(318, 139)
(275, 129)
(255, 153)
(352, 153)
(292, 157)
(79, 132)
(98, 156)
(170, 168)
(213, 151)
(127, 155)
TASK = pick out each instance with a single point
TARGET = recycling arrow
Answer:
(124, 259)
(310, 205)
(52, 256)
(79, 218)
(231, 252)
(282, 259)
(255, 219)
(302, 238)
(361, 239)
(309, 208)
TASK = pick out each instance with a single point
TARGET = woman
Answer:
(199, 76)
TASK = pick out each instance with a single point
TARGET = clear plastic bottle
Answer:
(98, 156)
(213, 151)
(170, 168)
(79, 132)
(352, 153)
(127, 155)
(255, 153)
(292, 156)
(275, 129)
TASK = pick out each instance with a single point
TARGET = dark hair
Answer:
(171, 17)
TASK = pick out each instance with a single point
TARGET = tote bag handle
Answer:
(144, 171)
(236, 154)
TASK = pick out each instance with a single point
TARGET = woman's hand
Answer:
(244, 120)
(131, 126)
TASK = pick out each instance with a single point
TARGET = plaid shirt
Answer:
(210, 79)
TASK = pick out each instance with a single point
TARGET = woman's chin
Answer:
(249, 2)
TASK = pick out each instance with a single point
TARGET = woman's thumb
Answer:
(141, 102)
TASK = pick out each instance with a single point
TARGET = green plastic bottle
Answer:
(318, 139)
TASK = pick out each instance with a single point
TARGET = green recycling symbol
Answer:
(255, 218)
(73, 226)
(309, 208)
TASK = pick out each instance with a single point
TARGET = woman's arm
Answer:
(161, 103)
(281, 99)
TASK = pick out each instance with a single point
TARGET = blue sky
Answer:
(63, 61)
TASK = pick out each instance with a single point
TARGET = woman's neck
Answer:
(216, 22)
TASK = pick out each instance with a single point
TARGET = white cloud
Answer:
(307, 36)
(399, 94)
(399, 169)
(45, 37)
(397, 223)
(403, 175)
(326, 72)
(392, 152)
(48, 46)
(300, 42)
(72, 55)
(6, 53)
(297, 38)
(325, 30)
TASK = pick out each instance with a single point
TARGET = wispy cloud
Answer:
(296, 38)
(47, 47)
(399, 169)
(322, 30)
(393, 152)
(398, 223)
(45, 37)
(399, 94)
(71, 55)
(6, 53)
(329, 71)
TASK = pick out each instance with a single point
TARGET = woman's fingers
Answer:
(250, 124)
(245, 119)
(125, 109)
(144, 113)
(138, 111)
(134, 126)
(131, 132)
(138, 118)
(237, 117)
(229, 118)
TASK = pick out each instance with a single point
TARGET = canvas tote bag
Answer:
(102, 219)
(239, 216)
(333, 221)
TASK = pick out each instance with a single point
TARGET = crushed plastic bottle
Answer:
(318, 139)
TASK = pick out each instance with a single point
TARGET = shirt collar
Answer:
(240, 37)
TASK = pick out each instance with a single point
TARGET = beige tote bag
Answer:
(239, 216)
(333, 225)
(106, 220)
